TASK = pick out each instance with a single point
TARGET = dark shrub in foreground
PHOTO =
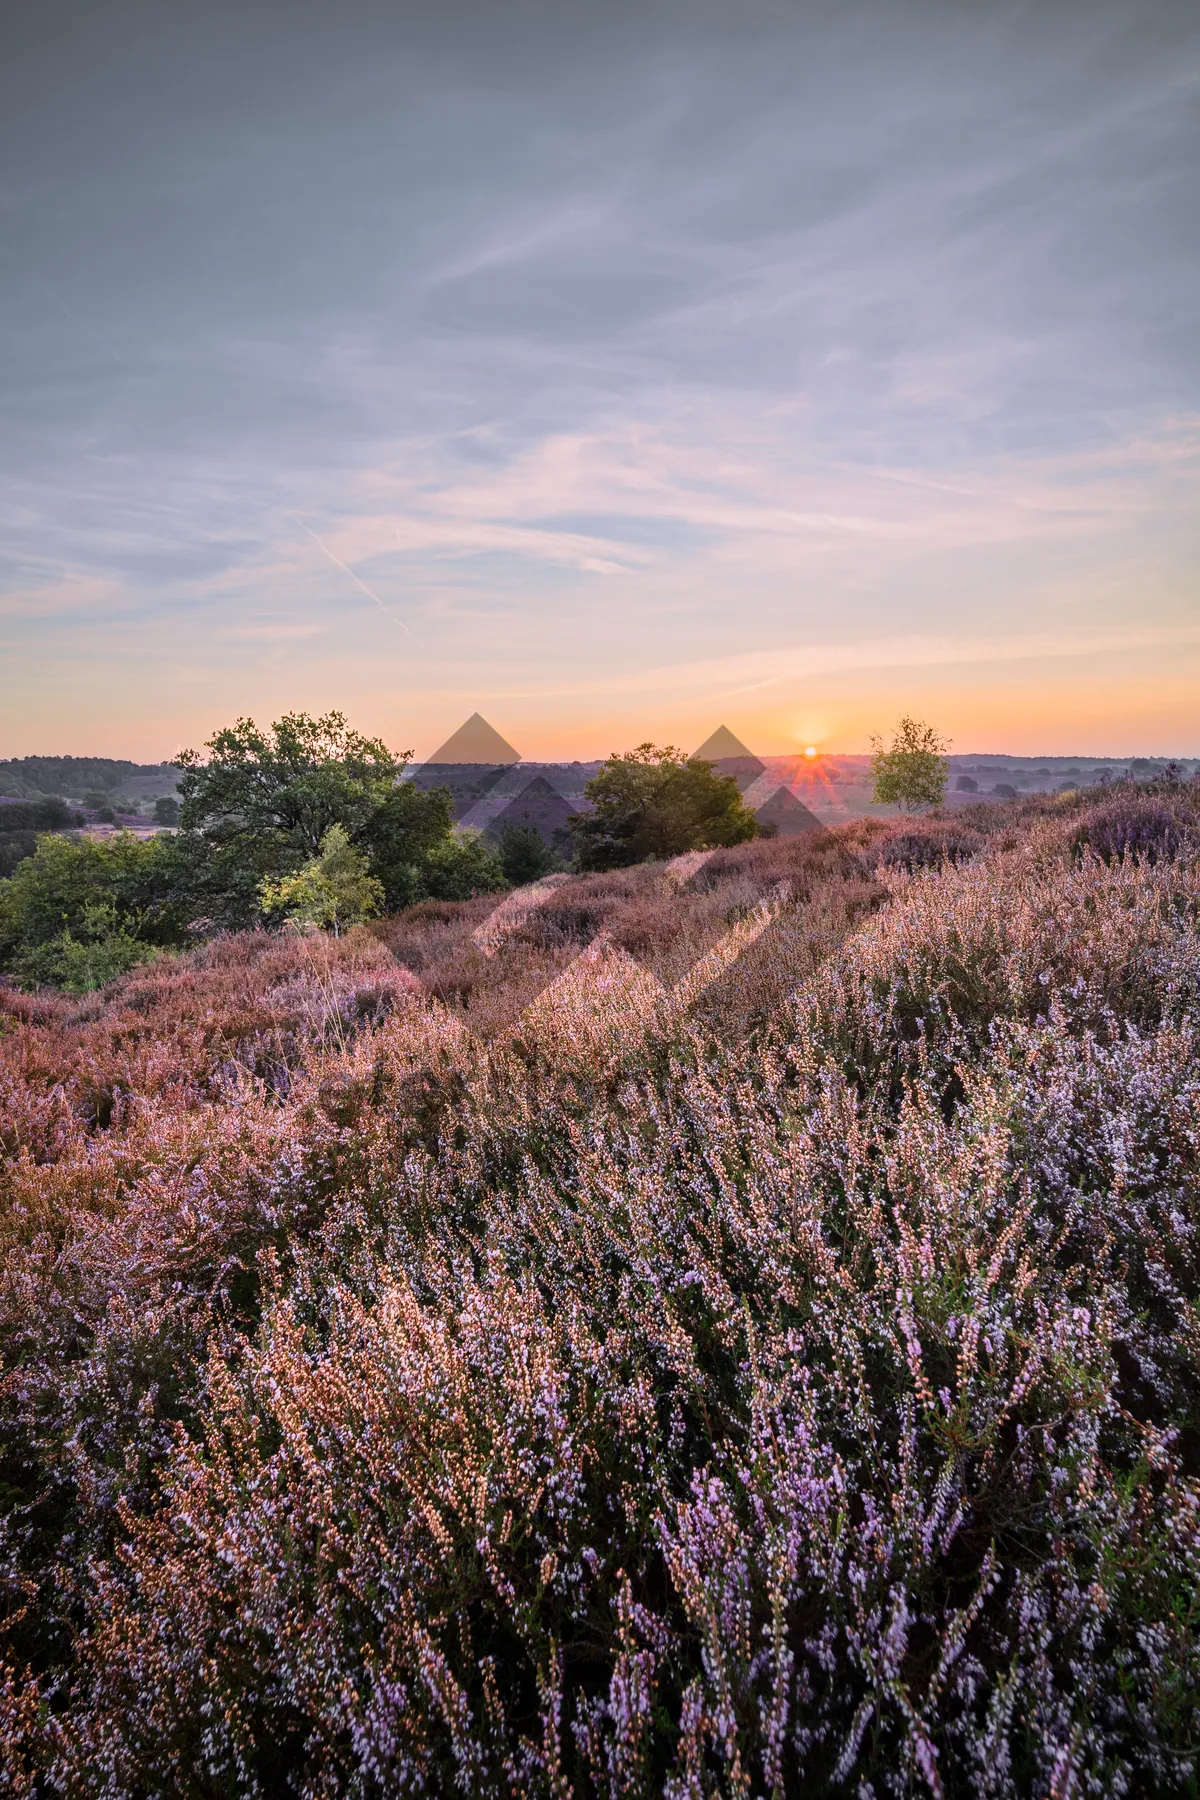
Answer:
(928, 846)
(1143, 828)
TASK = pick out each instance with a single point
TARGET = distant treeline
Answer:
(30, 777)
(37, 815)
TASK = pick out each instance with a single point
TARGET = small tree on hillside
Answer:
(652, 802)
(912, 771)
(332, 890)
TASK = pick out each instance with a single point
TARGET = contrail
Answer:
(356, 579)
(83, 324)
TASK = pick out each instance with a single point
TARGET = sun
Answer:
(810, 750)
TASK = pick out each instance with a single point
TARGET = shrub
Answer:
(15, 846)
(912, 771)
(75, 891)
(331, 891)
(525, 856)
(460, 867)
(928, 847)
(1141, 828)
(99, 949)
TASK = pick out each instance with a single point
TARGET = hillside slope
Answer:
(726, 1327)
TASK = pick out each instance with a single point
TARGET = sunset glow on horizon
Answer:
(610, 371)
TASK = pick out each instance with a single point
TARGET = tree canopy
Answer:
(406, 829)
(255, 813)
(525, 855)
(912, 771)
(260, 806)
(290, 782)
(653, 802)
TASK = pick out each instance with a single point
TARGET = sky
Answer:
(613, 369)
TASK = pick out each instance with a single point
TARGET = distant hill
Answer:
(71, 777)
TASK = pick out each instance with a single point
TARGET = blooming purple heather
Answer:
(728, 1330)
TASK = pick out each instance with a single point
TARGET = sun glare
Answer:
(810, 749)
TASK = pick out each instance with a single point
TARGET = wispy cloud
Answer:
(273, 629)
(601, 353)
(748, 489)
(754, 671)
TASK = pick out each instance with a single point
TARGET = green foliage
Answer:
(332, 890)
(100, 949)
(260, 805)
(20, 823)
(405, 829)
(264, 801)
(15, 846)
(285, 786)
(37, 815)
(461, 866)
(78, 902)
(253, 815)
(912, 771)
(652, 802)
(525, 856)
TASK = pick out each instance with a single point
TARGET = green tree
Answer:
(259, 807)
(21, 823)
(912, 771)
(333, 890)
(406, 829)
(461, 867)
(288, 784)
(261, 802)
(51, 814)
(100, 948)
(525, 855)
(652, 802)
(15, 846)
(166, 810)
(76, 892)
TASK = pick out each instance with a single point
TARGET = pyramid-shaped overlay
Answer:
(788, 815)
(476, 742)
(721, 745)
(541, 807)
(729, 756)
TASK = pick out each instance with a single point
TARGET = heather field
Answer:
(727, 1326)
